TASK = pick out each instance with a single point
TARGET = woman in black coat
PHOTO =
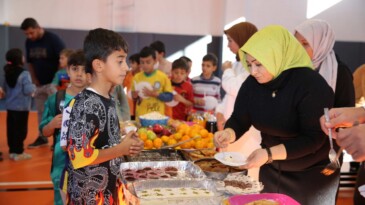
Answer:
(284, 99)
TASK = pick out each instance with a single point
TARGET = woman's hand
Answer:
(256, 159)
(223, 138)
(226, 65)
(220, 121)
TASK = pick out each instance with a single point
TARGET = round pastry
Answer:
(172, 173)
(171, 169)
(147, 168)
(140, 171)
(164, 176)
(130, 178)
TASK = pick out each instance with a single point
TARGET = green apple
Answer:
(151, 135)
(142, 130)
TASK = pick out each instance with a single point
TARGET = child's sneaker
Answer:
(12, 156)
(19, 157)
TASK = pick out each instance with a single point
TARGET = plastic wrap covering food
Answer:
(237, 183)
(188, 191)
(135, 171)
(157, 155)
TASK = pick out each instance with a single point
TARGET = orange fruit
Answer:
(171, 142)
(192, 144)
(196, 127)
(194, 132)
(165, 138)
(157, 143)
(199, 144)
(148, 144)
(143, 136)
(210, 145)
(177, 136)
(185, 137)
(182, 126)
(210, 135)
(186, 145)
(204, 133)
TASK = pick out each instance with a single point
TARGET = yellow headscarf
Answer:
(276, 49)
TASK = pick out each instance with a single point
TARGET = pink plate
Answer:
(281, 198)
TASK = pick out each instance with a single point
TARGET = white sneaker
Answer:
(12, 156)
(19, 157)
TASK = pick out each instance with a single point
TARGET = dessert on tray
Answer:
(163, 193)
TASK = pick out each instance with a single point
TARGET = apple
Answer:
(157, 128)
(166, 131)
(142, 130)
(151, 135)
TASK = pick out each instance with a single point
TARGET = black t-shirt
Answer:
(93, 125)
(44, 54)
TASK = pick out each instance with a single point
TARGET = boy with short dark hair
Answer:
(163, 64)
(90, 126)
(151, 88)
(190, 64)
(183, 90)
(52, 116)
(206, 85)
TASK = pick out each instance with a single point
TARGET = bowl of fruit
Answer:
(153, 118)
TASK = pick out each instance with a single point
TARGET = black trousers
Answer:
(17, 128)
(358, 198)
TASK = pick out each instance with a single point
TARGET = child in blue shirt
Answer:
(61, 79)
(19, 89)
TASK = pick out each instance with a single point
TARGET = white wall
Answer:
(195, 17)
(346, 17)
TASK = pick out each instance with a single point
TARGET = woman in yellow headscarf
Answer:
(284, 98)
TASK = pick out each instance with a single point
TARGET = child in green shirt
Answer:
(52, 116)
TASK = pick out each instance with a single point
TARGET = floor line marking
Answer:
(24, 183)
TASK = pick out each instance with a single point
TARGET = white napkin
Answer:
(362, 190)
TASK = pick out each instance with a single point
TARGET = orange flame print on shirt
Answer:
(99, 198)
(87, 154)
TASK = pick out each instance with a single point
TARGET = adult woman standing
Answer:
(234, 74)
(318, 38)
(284, 98)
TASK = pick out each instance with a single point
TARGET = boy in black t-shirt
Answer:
(90, 126)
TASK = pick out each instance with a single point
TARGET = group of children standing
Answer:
(174, 95)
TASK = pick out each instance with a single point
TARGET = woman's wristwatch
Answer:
(269, 156)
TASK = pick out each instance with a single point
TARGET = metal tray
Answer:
(157, 155)
(209, 185)
(185, 169)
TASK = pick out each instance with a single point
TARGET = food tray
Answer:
(157, 155)
(189, 184)
(197, 154)
(185, 169)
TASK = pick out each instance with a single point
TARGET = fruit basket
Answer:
(184, 137)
